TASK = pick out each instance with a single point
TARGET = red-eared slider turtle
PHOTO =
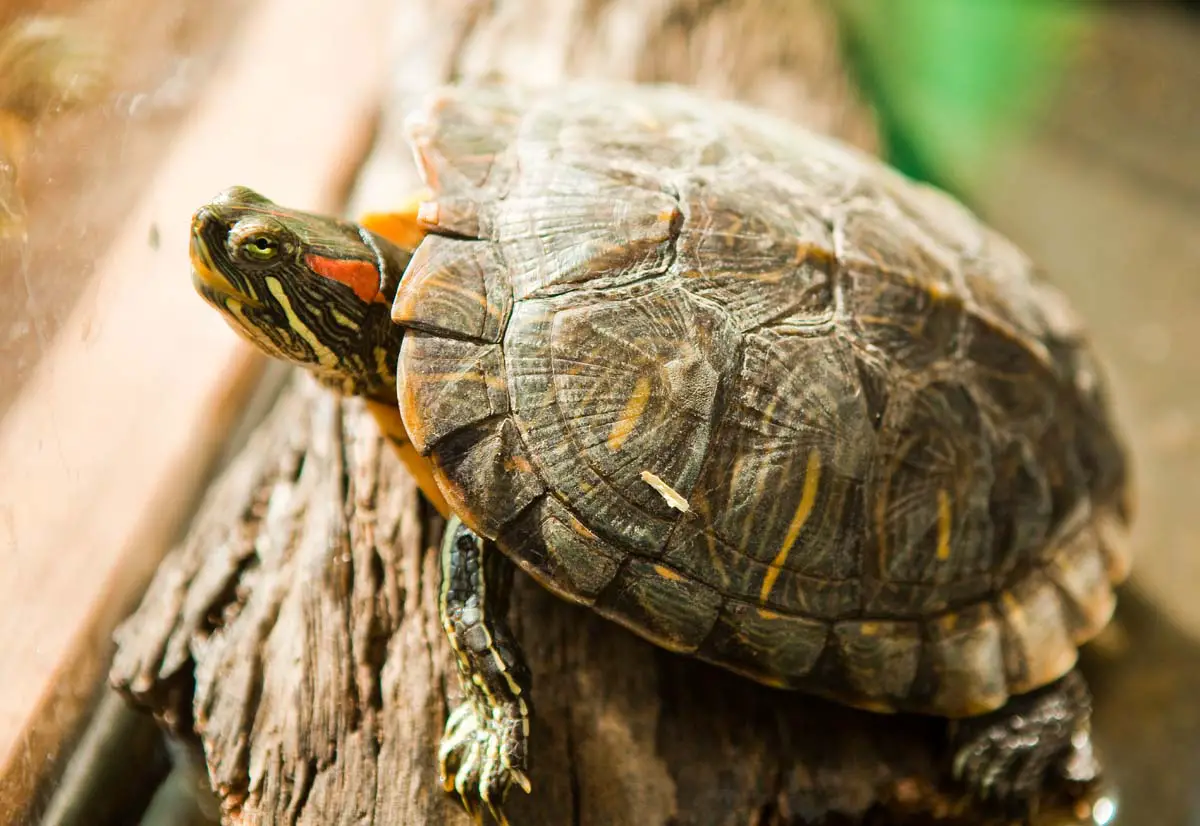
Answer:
(735, 386)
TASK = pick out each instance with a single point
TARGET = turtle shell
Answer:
(757, 397)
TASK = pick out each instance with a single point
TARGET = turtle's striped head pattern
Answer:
(308, 289)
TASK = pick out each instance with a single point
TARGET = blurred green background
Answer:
(954, 79)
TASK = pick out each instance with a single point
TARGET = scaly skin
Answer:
(317, 292)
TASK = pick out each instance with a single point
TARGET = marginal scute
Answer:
(660, 604)
(966, 654)
(463, 216)
(879, 658)
(454, 287)
(485, 475)
(560, 552)
(1114, 539)
(1037, 645)
(1077, 568)
(446, 384)
(780, 649)
(458, 133)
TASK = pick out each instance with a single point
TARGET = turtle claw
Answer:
(474, 763)
(1005, 756)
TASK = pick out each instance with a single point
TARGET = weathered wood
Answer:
(295, 630)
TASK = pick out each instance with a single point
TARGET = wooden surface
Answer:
(117, 425)
(294, 630)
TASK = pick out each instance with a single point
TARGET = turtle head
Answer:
(308, 289)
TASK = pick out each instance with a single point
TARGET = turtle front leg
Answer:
(1004, 756)
(484, 748)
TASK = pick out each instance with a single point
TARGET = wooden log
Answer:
(294, 631)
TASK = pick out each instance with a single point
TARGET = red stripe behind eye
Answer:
(360, 276)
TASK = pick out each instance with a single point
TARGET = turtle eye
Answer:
(260, 248)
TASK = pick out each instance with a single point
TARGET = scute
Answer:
(660, 604)
(778, 649)
(902, 484)
(573, 229)
(784, 477)
(636, 382)
(454, 287)
(932, 532)
(757, 248)
(446, 385)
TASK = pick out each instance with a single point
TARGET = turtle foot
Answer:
(484, 749)
(476, 760)
(1005, 756)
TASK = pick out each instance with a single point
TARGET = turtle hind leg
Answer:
(401, 226)
(1005, 755)
(484, 748)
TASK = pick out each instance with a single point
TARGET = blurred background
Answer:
(1072, 126)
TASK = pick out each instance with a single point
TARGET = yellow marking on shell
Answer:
(672, 497)
(808, 498)
(325, 357)
(388, 418)
(635, 406)
(494, 382)
(806, 251)
(667, 573)
(943, 526)
(868, 629)
(768, 614)
(948, 622)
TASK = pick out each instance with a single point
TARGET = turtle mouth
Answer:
(207, 277)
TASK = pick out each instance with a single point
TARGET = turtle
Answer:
(743, 389)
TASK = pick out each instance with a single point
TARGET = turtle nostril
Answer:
(200, 219)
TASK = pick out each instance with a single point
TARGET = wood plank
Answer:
(105, 446)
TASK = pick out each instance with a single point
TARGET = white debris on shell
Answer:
(672, 496)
